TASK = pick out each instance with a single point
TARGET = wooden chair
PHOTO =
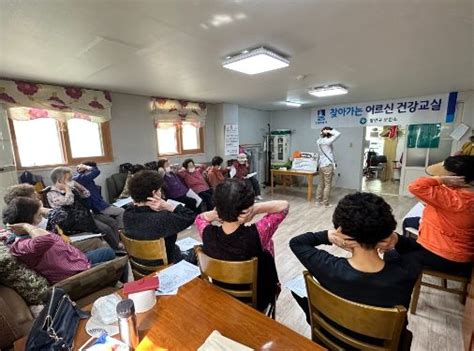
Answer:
(462, 291)
(151, 250)
(233, 272)
(385, 324)
(412, 232)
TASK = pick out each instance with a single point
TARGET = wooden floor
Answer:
(437, 325)
(376, 186)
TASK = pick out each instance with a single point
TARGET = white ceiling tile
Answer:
(379, 49)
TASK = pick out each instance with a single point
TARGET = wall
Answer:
(134, 137)
(224, 114)
(465, 116)
(252, 125)
(8, 175)
(348, 148)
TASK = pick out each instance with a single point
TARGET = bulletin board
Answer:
(231, 139)
(423, 136)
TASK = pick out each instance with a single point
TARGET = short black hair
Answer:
(462, 165)
(21, 210)
(90, 163)
(137, 168)
(187, 162)
(216, 161)
(232, 197)
(326, 128)
(143, 183)
(161, 163)
(25, 189)
(365, 217)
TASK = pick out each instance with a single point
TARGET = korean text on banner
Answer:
(427, 109)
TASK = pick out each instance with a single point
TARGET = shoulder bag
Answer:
(56, 326)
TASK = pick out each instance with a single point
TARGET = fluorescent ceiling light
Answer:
(292, 104)
(330, 90)
(256, 61)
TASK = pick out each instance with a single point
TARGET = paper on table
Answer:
(161, 293)
(177, 275)
(297, 285)
(174, 202)
(81, 237)
(123, 202)
(187, 243)
(194, 196)
(416, 211)
(232, 172)
(217, 342)
(250, 175)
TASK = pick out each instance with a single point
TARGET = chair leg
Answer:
(416, 295)
(462, 298)
(274, 311)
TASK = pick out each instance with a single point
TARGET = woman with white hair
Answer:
(76, 217)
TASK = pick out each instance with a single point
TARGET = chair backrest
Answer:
(115, 184)
(151, 250)
(385, 324)
(230, 272)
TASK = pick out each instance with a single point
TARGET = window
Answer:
(48, 142)
(179, 139)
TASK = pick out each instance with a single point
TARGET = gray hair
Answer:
(58, 173)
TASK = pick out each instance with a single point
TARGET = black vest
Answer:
(242, 245)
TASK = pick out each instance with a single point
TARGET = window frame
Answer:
(66, 147)
(179, 141)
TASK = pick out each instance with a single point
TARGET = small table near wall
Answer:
(294, 173)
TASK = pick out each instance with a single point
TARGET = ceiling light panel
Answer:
(256, 61)
(330, 90)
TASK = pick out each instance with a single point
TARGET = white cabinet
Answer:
(280, 147)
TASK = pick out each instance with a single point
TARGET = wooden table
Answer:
(293, 173)
(184, 321)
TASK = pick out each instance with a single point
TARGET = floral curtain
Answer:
(172, 112)
(28, 101)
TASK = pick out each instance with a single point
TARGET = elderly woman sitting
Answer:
(76, 216)
(28, 190)
(43, 251)
(152, 218)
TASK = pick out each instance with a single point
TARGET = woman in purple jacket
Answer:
(174, 188)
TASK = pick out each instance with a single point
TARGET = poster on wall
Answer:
(231, 139)
(423, 136)
(438, 108)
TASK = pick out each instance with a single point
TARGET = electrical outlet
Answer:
(339, 174)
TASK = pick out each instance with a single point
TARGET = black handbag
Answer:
(56, 326)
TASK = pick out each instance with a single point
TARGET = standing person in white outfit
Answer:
(327, 164)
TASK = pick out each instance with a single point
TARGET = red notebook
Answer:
(146, 283)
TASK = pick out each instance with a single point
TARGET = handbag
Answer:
(56, 326)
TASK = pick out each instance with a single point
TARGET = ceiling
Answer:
(378, 48)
